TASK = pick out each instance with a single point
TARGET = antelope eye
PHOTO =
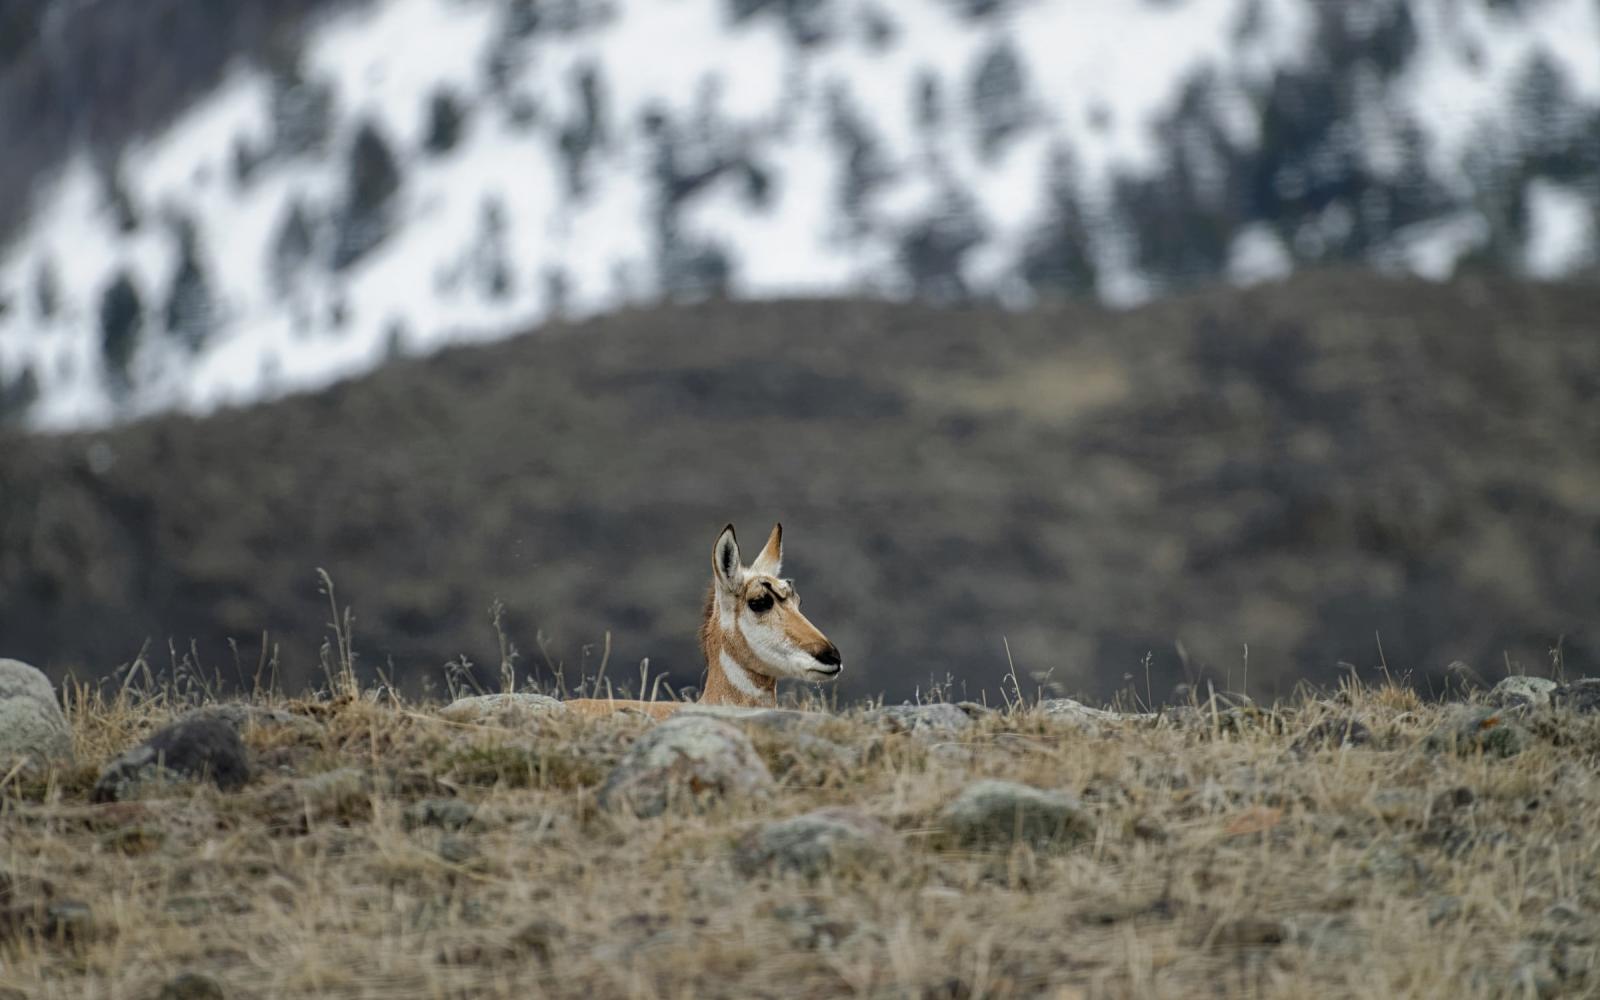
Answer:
(760, 604)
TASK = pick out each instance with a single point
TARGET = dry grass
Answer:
(1225, 864)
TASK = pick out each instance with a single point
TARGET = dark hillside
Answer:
(1297, 469)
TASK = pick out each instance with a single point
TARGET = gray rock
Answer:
(1521, 692)
(1078, 714)
(194, 750)
(686, 759)
(191, 986)
(447, 814)
(996, 814)
(936, 720)
(1471, 729)
(243, 717)
(813, 843)
(31, 723)
(505, 710)
(1581, 696)
(457, 850)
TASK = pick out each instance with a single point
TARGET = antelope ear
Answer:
(770, 561)
(725, 560)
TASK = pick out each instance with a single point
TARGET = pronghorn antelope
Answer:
(753, 633)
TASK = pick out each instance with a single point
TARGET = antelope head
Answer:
(757, 613)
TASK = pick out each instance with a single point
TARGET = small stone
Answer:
(1249, 932)
(68, 921)
(447, 814)
(1333, 734)
(1522, 692)
(810, 927)
(538, 939)
(813, 843)
(997, 814)
(509, 711)
(1444, 910)
(196, 750)
(688, 759)
(1396, 805)
(938, 720)
(191, 986)
(457, 850)
(1452, 799)
(31, 723)
(1469, 729)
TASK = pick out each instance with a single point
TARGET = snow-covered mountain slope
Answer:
(425, 171)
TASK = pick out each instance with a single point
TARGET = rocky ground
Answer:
(1360, 843)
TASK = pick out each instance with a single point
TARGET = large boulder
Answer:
(31, 723)
(692, 760)
(992, 814)
(201, 749)
(510, 711)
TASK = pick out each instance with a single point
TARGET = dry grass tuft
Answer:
(383, 852)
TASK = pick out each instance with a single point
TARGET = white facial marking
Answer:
(738, 678)
(774, 651)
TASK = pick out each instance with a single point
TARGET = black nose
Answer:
(829, 656)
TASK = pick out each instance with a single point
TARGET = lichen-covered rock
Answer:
(506, 710)
(1522, 692)
(687, 759)
(1581, 696)
(1469, 729)
(993, 814)
(31, 723)
(192, 750)
(813, 843)
(936, 720)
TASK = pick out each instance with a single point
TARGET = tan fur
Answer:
(799, 637)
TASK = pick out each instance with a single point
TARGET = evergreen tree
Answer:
(121, 319)
(371, 183)
(190, 311)
(446, 119)
(999, 98)
(1059, 259)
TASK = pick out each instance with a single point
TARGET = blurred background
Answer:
(1118, 345)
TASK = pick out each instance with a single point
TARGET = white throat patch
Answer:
(739, 677)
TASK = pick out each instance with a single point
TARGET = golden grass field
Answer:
(1233, 853)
